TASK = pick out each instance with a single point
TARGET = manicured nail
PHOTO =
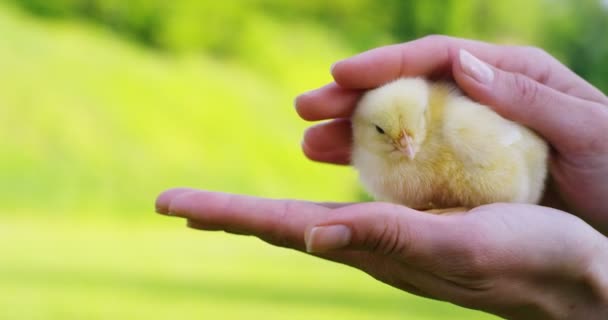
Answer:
(475, 68)
(327, 238)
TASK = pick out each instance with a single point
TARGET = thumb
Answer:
(569, 123)
(388, 229)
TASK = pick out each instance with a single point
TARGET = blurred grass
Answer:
(96, 269)
(92, 127)
(104, 103)
(94, 123)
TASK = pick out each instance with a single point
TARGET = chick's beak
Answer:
(405, 144)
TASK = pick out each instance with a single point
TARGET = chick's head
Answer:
(392, 120)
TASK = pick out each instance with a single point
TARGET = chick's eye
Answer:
(380, 131)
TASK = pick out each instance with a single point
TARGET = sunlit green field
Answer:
(93, 127)
(116, 269)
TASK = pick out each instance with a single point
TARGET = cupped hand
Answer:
(523, 84)
(516, 261)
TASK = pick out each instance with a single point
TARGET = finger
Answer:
(328, 102)
(570, 124)
(410, 236)
(433, 56)
(164, 199)
(423, 57)
(329, 142)
(280, 222)
(430, 251)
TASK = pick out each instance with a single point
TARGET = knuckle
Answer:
(388, 237)
(594, 139)
(277, 234)
(221, 203)
(535, 52)
(403, 239)
(543, 63)
(436, 38)
(527, 91)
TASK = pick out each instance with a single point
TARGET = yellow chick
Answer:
(427, 146)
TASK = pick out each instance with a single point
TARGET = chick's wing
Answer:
(478, 136)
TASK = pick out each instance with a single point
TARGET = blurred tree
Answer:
(138, 19)
(572, 30)
(576, 33)
(269, 35)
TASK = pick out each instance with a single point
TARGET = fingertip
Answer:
(368, 69)
(312, 135)
(328, 142)
(336, 71)
(328, 136)
(328, 102)
(300, 103)
(339, 157)
(333, 66)
(348, 73)
(306, 149)
(192, 203)
(163, 200)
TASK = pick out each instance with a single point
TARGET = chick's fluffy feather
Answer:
(466, 155)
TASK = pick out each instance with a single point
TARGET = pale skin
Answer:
(516, 261)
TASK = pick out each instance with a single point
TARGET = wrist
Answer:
(595, 279)
(579, 293)
(587, 298)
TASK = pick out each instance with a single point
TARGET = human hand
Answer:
(513, 260)
(523, 84)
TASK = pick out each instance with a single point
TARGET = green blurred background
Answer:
(104, 103)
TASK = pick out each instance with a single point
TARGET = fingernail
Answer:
(327, 238)
(475, 68)
(333, 66)
(299, 98)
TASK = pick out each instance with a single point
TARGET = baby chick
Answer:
(425, 145)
